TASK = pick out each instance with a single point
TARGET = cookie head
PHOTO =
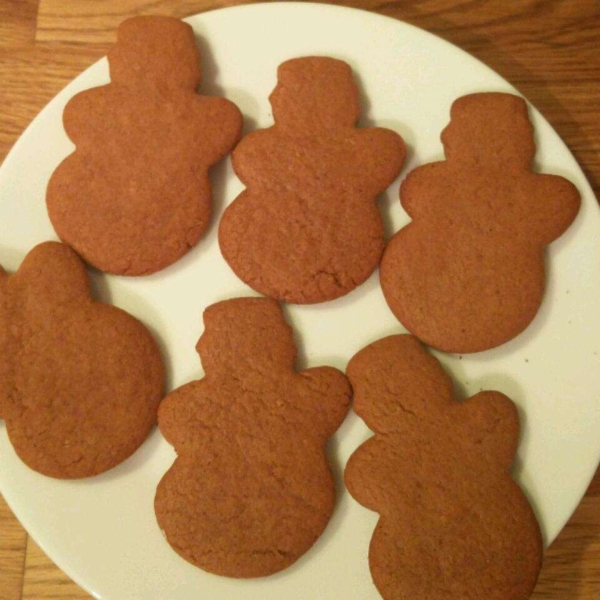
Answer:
(395, 380)
(490, 128)
(244, 334)
(158, 50)
(315, 93)
(65, 284)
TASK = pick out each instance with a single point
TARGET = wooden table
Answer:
(548, 48)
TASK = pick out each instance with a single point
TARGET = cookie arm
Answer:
(85, 113)
(360, 475)
(416, 187)
(177, 415)
(329, 394)
(220, 125)
(492, 423)
(554, 204)
(381, 156)
(252, 153)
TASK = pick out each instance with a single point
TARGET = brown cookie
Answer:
(80, 381)
(250, 490)
(453, 524)
(467, 274)
(135, 195)
(307, 228)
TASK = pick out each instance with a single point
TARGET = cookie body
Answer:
(135, 195)
(81, 381)
(250, 490)
(307, 228)
(453, 524)
(467, 274)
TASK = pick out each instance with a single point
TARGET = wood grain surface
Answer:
(549, 49)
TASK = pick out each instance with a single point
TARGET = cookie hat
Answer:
(489, 128)
(263, 338)
(303, 83)
(155, 49)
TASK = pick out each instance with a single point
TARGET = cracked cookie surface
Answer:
(453, 524)
(307, 228)
(80, 381)
(251, 490)
(135, 195)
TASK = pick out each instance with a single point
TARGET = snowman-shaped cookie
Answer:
(307, 228)
(80, 381)
(135, 195)
(251, 489)
(467, 274)
(453, 524)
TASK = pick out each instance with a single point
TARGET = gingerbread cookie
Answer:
(80, 381)
(250, 491)
(307, 228)
(135, 196)
(453, 524)
(467, 274)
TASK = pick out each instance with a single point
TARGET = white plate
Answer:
(102, 531)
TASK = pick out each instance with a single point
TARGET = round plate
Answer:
(102, 531)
